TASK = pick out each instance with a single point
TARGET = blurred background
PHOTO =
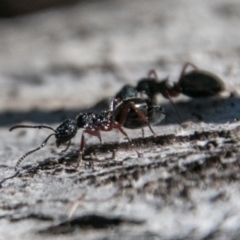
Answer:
(60, 57)
(13, 8)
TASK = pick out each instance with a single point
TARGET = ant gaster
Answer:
(128, 95)
(126, 92)
(130, 113)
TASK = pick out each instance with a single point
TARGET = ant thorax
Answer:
(126, 92)
(93, 120)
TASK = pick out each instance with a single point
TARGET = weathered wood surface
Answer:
(58, 63)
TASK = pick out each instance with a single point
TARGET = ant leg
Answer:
(176, 89)
(167, 95)
(112, 104)
(67, 146)
(185, 66)
(140, 115)
(143, 117)
(119, 127)
(95, 133)
(142, 132)
(81, 150)
(153, 74)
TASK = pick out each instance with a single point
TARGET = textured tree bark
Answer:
(58, 63)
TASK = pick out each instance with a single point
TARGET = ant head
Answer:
(66, 131)
(126, 92)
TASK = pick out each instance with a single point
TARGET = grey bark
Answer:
(58, 63)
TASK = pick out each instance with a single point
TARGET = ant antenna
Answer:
(30, 126)
(32, 151)
(36, 149)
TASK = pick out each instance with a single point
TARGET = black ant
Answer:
(130, 113)
(196, 83)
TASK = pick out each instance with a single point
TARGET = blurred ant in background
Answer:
(196, 83)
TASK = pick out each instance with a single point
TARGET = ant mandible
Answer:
(130, 113)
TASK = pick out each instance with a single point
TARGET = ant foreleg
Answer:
(95, 133)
